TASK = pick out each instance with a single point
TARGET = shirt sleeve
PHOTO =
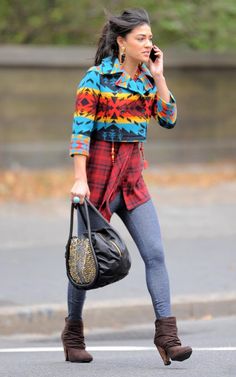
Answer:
(165, 112)
(87, 98)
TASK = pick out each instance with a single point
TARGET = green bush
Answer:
(199, 24)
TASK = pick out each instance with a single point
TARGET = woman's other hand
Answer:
(80, 188)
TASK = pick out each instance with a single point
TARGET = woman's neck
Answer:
(130, 66)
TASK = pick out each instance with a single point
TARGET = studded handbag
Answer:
(98, 257)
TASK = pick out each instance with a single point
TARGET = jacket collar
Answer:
(111, 65)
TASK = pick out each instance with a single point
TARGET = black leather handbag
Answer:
(97, 257)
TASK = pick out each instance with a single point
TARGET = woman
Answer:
(115, 101)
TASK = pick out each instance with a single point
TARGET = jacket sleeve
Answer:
(87, 98)
(165, 112)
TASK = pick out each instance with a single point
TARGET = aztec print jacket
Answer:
(112, 106)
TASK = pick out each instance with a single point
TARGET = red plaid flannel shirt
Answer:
(105, 178)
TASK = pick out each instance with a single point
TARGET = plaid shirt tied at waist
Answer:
(106, 178)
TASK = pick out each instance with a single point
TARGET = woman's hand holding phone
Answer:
(156, 61)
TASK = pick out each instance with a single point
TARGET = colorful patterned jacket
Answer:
(112, 106)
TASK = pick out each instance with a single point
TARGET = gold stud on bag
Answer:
(95, 258)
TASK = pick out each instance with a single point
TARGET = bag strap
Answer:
(71, 228)
(89, 204)
(84, 212)
(71, 220)
(85, 217)
(109, 227)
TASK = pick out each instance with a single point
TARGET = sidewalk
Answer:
(199, 235)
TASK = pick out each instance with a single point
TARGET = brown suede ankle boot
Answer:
(73, 342)
(167, 342)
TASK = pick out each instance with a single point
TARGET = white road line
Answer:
(214, 348)
(106, 349)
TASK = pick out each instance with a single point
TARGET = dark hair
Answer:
(118, 26)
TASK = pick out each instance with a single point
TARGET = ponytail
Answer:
(103, 48)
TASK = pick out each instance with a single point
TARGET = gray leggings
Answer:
(143, 226)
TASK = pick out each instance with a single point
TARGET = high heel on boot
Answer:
(73, 342)
(164, 355)
(167, 342)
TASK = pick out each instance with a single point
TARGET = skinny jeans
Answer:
(143, 226)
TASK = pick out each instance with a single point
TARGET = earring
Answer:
(122, 58)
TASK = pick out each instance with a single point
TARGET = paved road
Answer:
(198, 227)
(199, 234)
(126, 353)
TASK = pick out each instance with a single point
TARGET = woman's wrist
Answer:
(81, 179)
(162, 88)
(159, 77)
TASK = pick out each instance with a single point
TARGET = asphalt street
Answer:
(126, 353)
(198, 230)
(199, 235)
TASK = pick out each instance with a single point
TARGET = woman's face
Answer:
(138, 43)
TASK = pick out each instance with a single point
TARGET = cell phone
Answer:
(152, 55)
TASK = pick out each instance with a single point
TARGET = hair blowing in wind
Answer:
(118, 26)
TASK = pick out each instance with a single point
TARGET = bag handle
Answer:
(89, 204)
(85, 218)
(83, 208)
(109, 227)
(71, 220)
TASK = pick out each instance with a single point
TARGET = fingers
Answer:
(88, 195)
(156, 48)
(78, 197)
(158, 52)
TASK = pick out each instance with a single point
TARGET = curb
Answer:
(48, 319)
